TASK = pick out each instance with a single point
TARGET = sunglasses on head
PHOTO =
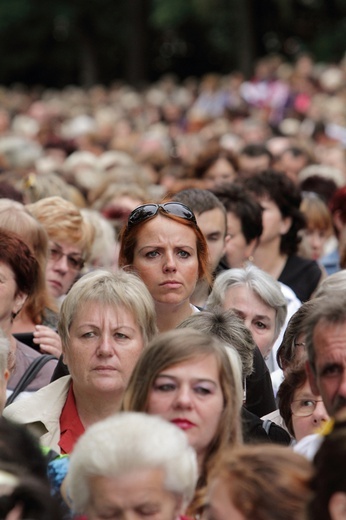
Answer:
(146, 211)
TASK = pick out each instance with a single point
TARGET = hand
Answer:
(48, 340)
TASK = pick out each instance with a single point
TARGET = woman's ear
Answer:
(19, 301)
(337, 506)
(286, 223)
(250, 248)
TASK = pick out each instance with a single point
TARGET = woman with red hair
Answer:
(164, 246)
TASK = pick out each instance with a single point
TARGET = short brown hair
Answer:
(266, 482)
(294, 379)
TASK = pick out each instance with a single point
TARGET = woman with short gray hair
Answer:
(257, 298)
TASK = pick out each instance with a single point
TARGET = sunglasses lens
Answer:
(142, 213)
(150, 210)
(180, 210)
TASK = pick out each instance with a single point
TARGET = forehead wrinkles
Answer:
(330, 340)
(171, 233)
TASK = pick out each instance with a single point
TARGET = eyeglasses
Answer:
(304, 407)
(75, 263)
(146, 211)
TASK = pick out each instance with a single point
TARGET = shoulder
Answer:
(25, 356)
(309, 445)
(301, 264)
(44, 403)
(301, 275)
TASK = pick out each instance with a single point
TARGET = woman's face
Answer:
(62, 267)
(165, 257)
(220, 504)
(303, 399)
(313, 242)
(104, 346)
(237, 249)
(258, 317)
(274, 224)
(221, 171)
(11, 301)
(133, 496)
(189, 395)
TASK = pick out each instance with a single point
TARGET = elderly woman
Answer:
(132, 465)
(105, 322)
(164, 246)
(265, 482)
(18, 276)
(257, 298)
(70, 238)
(190, 379)
(39, 313)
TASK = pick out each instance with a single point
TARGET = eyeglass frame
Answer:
(190, 216)
(69, 257)
(315, 401)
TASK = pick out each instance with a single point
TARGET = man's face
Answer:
(250, 166)
(212, 223)
(329, 377)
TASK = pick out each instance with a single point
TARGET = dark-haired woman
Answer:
(282, 219)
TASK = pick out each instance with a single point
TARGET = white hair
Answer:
(128, 442)
(260, 282)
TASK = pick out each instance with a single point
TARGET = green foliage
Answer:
(55, 42)
(170, 13)
(173, 13)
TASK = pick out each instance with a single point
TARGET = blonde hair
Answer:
(63, 222)
(316, 213)
(120, 289)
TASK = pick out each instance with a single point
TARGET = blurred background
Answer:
(54, 43)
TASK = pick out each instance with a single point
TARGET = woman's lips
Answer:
(102, 368)
(183, 424)
(55, 283)
(171, 283)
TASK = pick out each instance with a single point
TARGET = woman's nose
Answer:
(61, 265)
(105, 347)
(320, 414)
(169, 263)
(183, 398)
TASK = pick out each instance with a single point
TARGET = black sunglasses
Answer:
(146, 211)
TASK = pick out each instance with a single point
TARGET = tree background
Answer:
(54, 43)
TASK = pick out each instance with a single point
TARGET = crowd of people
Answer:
(173, 309)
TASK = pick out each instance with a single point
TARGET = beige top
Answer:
(41, 412)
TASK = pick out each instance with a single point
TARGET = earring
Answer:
(250, 258)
